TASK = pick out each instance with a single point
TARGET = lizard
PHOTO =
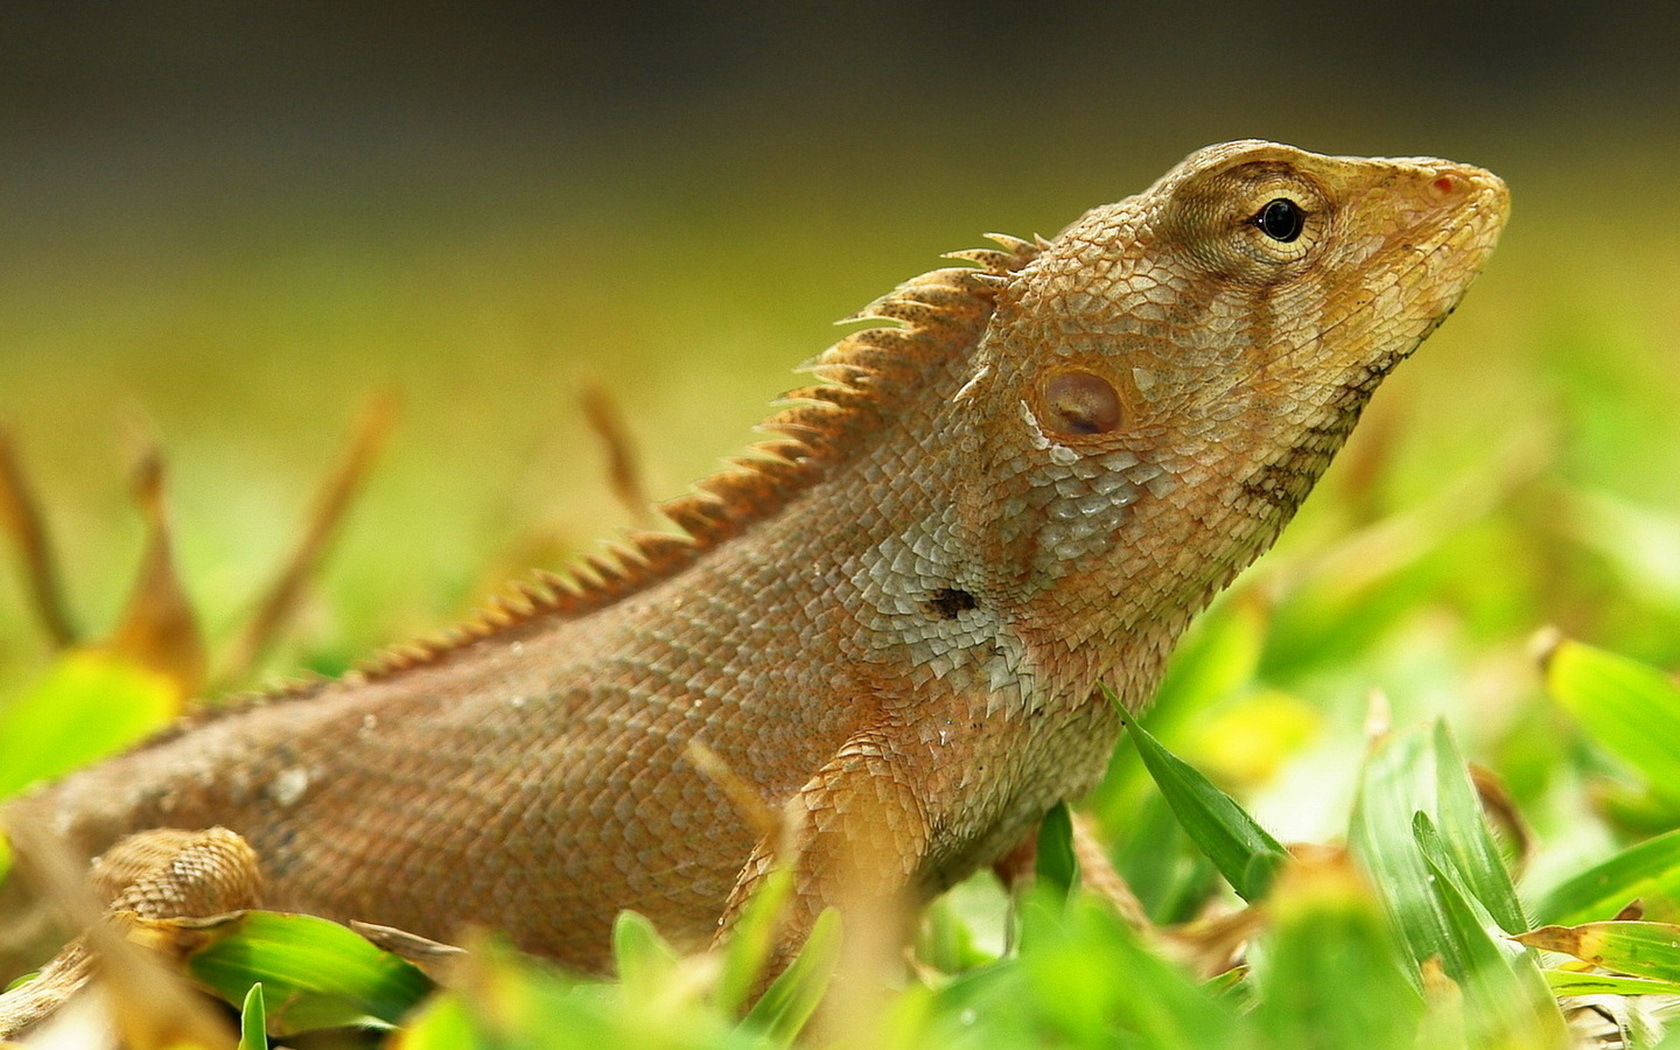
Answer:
(896, 622)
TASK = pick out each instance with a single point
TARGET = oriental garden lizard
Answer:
(893, 624)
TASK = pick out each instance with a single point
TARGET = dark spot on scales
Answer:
(948, 603)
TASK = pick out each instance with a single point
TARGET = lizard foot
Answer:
(144, 881)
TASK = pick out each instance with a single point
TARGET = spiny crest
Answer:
(862, 380)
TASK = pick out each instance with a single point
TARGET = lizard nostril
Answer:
(1447, 185)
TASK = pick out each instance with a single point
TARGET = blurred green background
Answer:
(238, 220)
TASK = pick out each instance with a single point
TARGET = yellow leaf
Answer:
(89, 704)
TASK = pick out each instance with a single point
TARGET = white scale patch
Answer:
(974, 381)
(289, 785)
(1059, 453)
(1087, 497)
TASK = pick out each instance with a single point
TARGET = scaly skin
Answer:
(893, 625)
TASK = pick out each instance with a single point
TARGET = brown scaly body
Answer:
(892, 622)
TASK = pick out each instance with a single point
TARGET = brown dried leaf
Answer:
(20, 515)
(282, 598)
(1642, 949)
(748, 803)
(435, 959)
(1098, 875)
(158, 629)
(624, 465)
(1502, 812)
(1633, 911)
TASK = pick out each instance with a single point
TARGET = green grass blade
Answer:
(1331, 973)
(1465, 836)
(1471, 944)
(1578, 982)
(1054, 863)
(502, 1000)
(1089, 981)
(317, 974)
(643, 960)
(1239, 847)
(1507, 1001)
(947, 942)
(791, 999)
(1631, 708)
(1648, 871)
(253, 1022)
(1409, 776)
(1171, 877)
(751, 941)
(445, 1023)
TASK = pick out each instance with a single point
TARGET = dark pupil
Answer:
(1281, 220)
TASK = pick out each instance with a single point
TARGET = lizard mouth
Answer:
(1460, 211)
(1466, 209)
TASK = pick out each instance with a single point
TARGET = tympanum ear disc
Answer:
(1081, 403)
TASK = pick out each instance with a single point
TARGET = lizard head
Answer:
(1162, 385)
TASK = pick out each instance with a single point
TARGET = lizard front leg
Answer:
(855, 835)
(894, 818)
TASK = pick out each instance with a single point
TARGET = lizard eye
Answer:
(1281, 220)
(1082, 403)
